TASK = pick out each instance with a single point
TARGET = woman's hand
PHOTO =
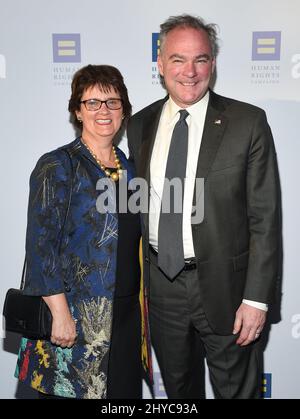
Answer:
(63, 331)
(63, 326)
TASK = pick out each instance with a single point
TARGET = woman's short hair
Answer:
(107, 78)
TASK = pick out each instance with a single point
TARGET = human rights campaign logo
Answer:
(266, 46)
(66, 48)
(266, 391)
(155, 46)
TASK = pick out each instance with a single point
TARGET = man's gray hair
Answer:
(189, 21)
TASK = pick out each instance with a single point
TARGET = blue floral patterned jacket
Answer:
(75, 254)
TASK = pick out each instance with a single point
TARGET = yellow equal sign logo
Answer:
(266, 45)
(66, 48)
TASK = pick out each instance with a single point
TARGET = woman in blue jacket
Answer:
(84, 261)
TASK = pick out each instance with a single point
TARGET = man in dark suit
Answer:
(219, 293)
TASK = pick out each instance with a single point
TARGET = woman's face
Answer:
(103, 123)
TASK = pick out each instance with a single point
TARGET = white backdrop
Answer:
(35, 72)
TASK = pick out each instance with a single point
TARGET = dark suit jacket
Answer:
(237, 245)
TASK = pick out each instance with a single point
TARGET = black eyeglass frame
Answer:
(101, 102)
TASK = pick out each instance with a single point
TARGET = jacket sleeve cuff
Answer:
(261, 306)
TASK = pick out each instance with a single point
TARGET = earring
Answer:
(79, 120)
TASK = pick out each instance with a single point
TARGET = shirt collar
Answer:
(196, 110)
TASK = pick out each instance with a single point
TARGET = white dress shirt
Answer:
(168, 119)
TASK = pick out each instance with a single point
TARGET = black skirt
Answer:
(124, 365)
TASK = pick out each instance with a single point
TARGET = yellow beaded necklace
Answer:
(115, 176)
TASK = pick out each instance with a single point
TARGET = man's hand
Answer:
(249, 323)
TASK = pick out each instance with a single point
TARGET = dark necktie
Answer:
(170, 240)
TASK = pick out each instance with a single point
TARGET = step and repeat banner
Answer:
(43, 43)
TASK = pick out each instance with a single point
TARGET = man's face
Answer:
(186, 63)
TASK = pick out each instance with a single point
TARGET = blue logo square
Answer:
(266, 386)
(155, 47)
(266, 46)
(66, 48)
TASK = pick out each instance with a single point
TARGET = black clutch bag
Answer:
(27, 315)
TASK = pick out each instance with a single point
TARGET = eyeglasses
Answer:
(95, 104)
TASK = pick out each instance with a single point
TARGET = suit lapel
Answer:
(149, 134)
(148, 139)
(214, 128)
